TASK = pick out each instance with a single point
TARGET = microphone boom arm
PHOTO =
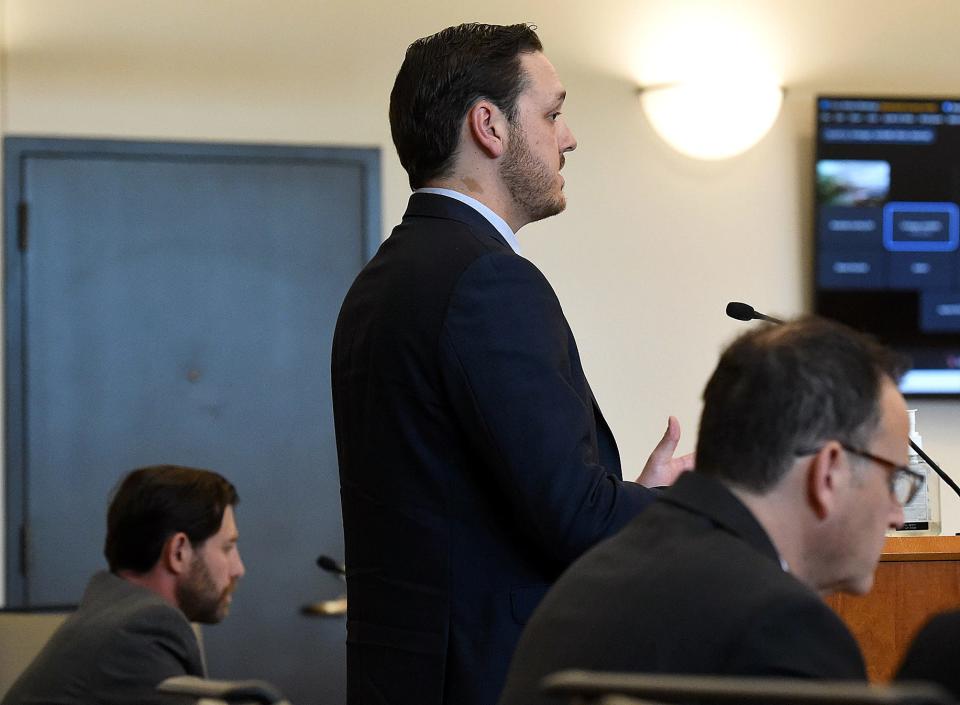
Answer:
(936, 468)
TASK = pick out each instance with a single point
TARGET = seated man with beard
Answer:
(172, 550)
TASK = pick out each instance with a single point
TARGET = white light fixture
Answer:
(712, 119)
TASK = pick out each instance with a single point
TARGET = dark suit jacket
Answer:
(693, 585)
(934, 654)
(474, 462)
(121, 642)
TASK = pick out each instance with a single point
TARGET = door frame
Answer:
(17, 149)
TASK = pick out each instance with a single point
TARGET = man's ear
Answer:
(177, 554)
(824, 479)
(487, 127)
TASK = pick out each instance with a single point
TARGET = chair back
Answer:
(635, 688)
(22, 635)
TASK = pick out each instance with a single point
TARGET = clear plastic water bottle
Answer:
(922, 514)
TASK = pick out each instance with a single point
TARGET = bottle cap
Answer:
(914, 435)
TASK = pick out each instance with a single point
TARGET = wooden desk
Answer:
(917, 577)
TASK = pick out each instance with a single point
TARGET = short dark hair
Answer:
(781, 389)
(152, 504)
(441, 77)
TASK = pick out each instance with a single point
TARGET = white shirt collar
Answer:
(495, 220)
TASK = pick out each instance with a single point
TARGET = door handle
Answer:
(326, 608)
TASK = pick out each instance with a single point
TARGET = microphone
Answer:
(746, 312)
(331, 566)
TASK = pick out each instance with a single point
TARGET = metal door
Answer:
(175, 303)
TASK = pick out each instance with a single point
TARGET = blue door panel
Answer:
(179, 308)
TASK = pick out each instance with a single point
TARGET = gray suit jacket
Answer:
(121, 642)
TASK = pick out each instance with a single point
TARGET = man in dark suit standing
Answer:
(172, 550)
(475, 464)
(800, 470)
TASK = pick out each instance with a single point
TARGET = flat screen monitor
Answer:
(887, 180)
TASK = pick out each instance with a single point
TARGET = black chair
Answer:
(589, 687)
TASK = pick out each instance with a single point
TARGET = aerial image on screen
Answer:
(888, 228)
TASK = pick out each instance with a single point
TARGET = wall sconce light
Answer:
(712, 119)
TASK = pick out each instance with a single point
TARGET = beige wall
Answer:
(652, 245)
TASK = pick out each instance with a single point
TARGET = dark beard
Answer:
(198, 597)
(529, 181)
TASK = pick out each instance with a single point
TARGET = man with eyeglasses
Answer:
(800, 471)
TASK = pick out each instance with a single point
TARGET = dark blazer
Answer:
(121, 642)
(934, 655)
(693, 585)
(474, 462)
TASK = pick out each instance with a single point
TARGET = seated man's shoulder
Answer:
(111, 652)
(695, 552)
(790, 631)
(113, 603)
(140, 642)
(130, 623)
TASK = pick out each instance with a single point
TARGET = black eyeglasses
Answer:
(904, 482)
